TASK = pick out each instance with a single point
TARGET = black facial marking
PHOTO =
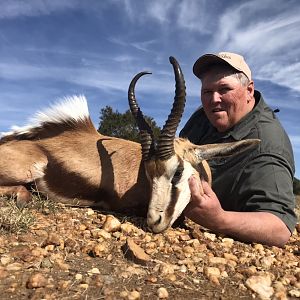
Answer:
(174, 191)
(178, 174)
(174, 199)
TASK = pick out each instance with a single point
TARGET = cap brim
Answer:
(203, 62)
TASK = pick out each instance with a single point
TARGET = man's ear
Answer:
(250, 88)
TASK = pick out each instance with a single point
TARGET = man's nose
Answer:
(215, 97)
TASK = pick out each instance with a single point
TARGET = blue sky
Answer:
(55, 48)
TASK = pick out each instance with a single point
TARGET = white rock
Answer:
(94, 271)
(90, 212)
(111, 224)
(217, 260)
(210, 236)
(261, 284)
(5, 260)
(295, 293)
(212, 271)
(162, 293)
(78, 276)
(267, 262)
(134, 295)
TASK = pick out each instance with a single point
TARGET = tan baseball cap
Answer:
(234, 60)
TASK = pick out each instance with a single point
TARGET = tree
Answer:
(296, 186)
(122, 125)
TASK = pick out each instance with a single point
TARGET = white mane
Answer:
(73, 108)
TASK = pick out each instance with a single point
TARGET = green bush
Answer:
(296, 186)
(122, 125)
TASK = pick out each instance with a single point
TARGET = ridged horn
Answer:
(146, 132)
(165, 145)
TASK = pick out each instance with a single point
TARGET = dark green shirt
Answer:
(260, 179)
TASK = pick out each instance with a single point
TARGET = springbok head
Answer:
(169, 162)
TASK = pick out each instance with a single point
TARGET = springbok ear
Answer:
(211, 151)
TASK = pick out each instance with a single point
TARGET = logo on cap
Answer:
(224, 55)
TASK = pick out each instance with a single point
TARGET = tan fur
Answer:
(82, 167)
(78, 167)
(186, 150)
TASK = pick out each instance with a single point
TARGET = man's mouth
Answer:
(217, 110)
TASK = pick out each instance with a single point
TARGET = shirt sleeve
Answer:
(266, 184)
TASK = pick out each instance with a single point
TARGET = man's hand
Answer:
(204, 209)
(261, 227)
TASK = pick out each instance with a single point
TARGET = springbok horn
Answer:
(165, 145)
(147, 139)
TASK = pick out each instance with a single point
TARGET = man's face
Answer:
(225, 101)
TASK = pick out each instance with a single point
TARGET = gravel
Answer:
(79, 253)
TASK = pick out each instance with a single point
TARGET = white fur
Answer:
(185, 194)
(72, 108)
(38, 170)
(161, 196)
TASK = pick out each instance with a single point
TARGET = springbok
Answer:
(62, 153)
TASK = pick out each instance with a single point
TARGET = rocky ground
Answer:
(49, 251)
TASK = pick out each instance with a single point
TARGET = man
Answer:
(251, 198)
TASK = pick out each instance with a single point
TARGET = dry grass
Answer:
(14, 219)
(297, 210)
(42, 203)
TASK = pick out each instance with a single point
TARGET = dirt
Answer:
(50, 251)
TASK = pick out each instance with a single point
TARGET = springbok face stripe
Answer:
(173, 200)
(174, 190)
(178, 174)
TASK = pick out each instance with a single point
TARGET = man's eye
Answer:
(206, 92)
(224, 90)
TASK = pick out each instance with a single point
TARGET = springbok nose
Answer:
(154, 218)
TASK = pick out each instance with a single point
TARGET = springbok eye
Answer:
(177, 175)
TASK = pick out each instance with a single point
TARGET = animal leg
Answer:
(21, 162)
(22, 194)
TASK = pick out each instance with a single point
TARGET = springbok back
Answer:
(65, 156)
